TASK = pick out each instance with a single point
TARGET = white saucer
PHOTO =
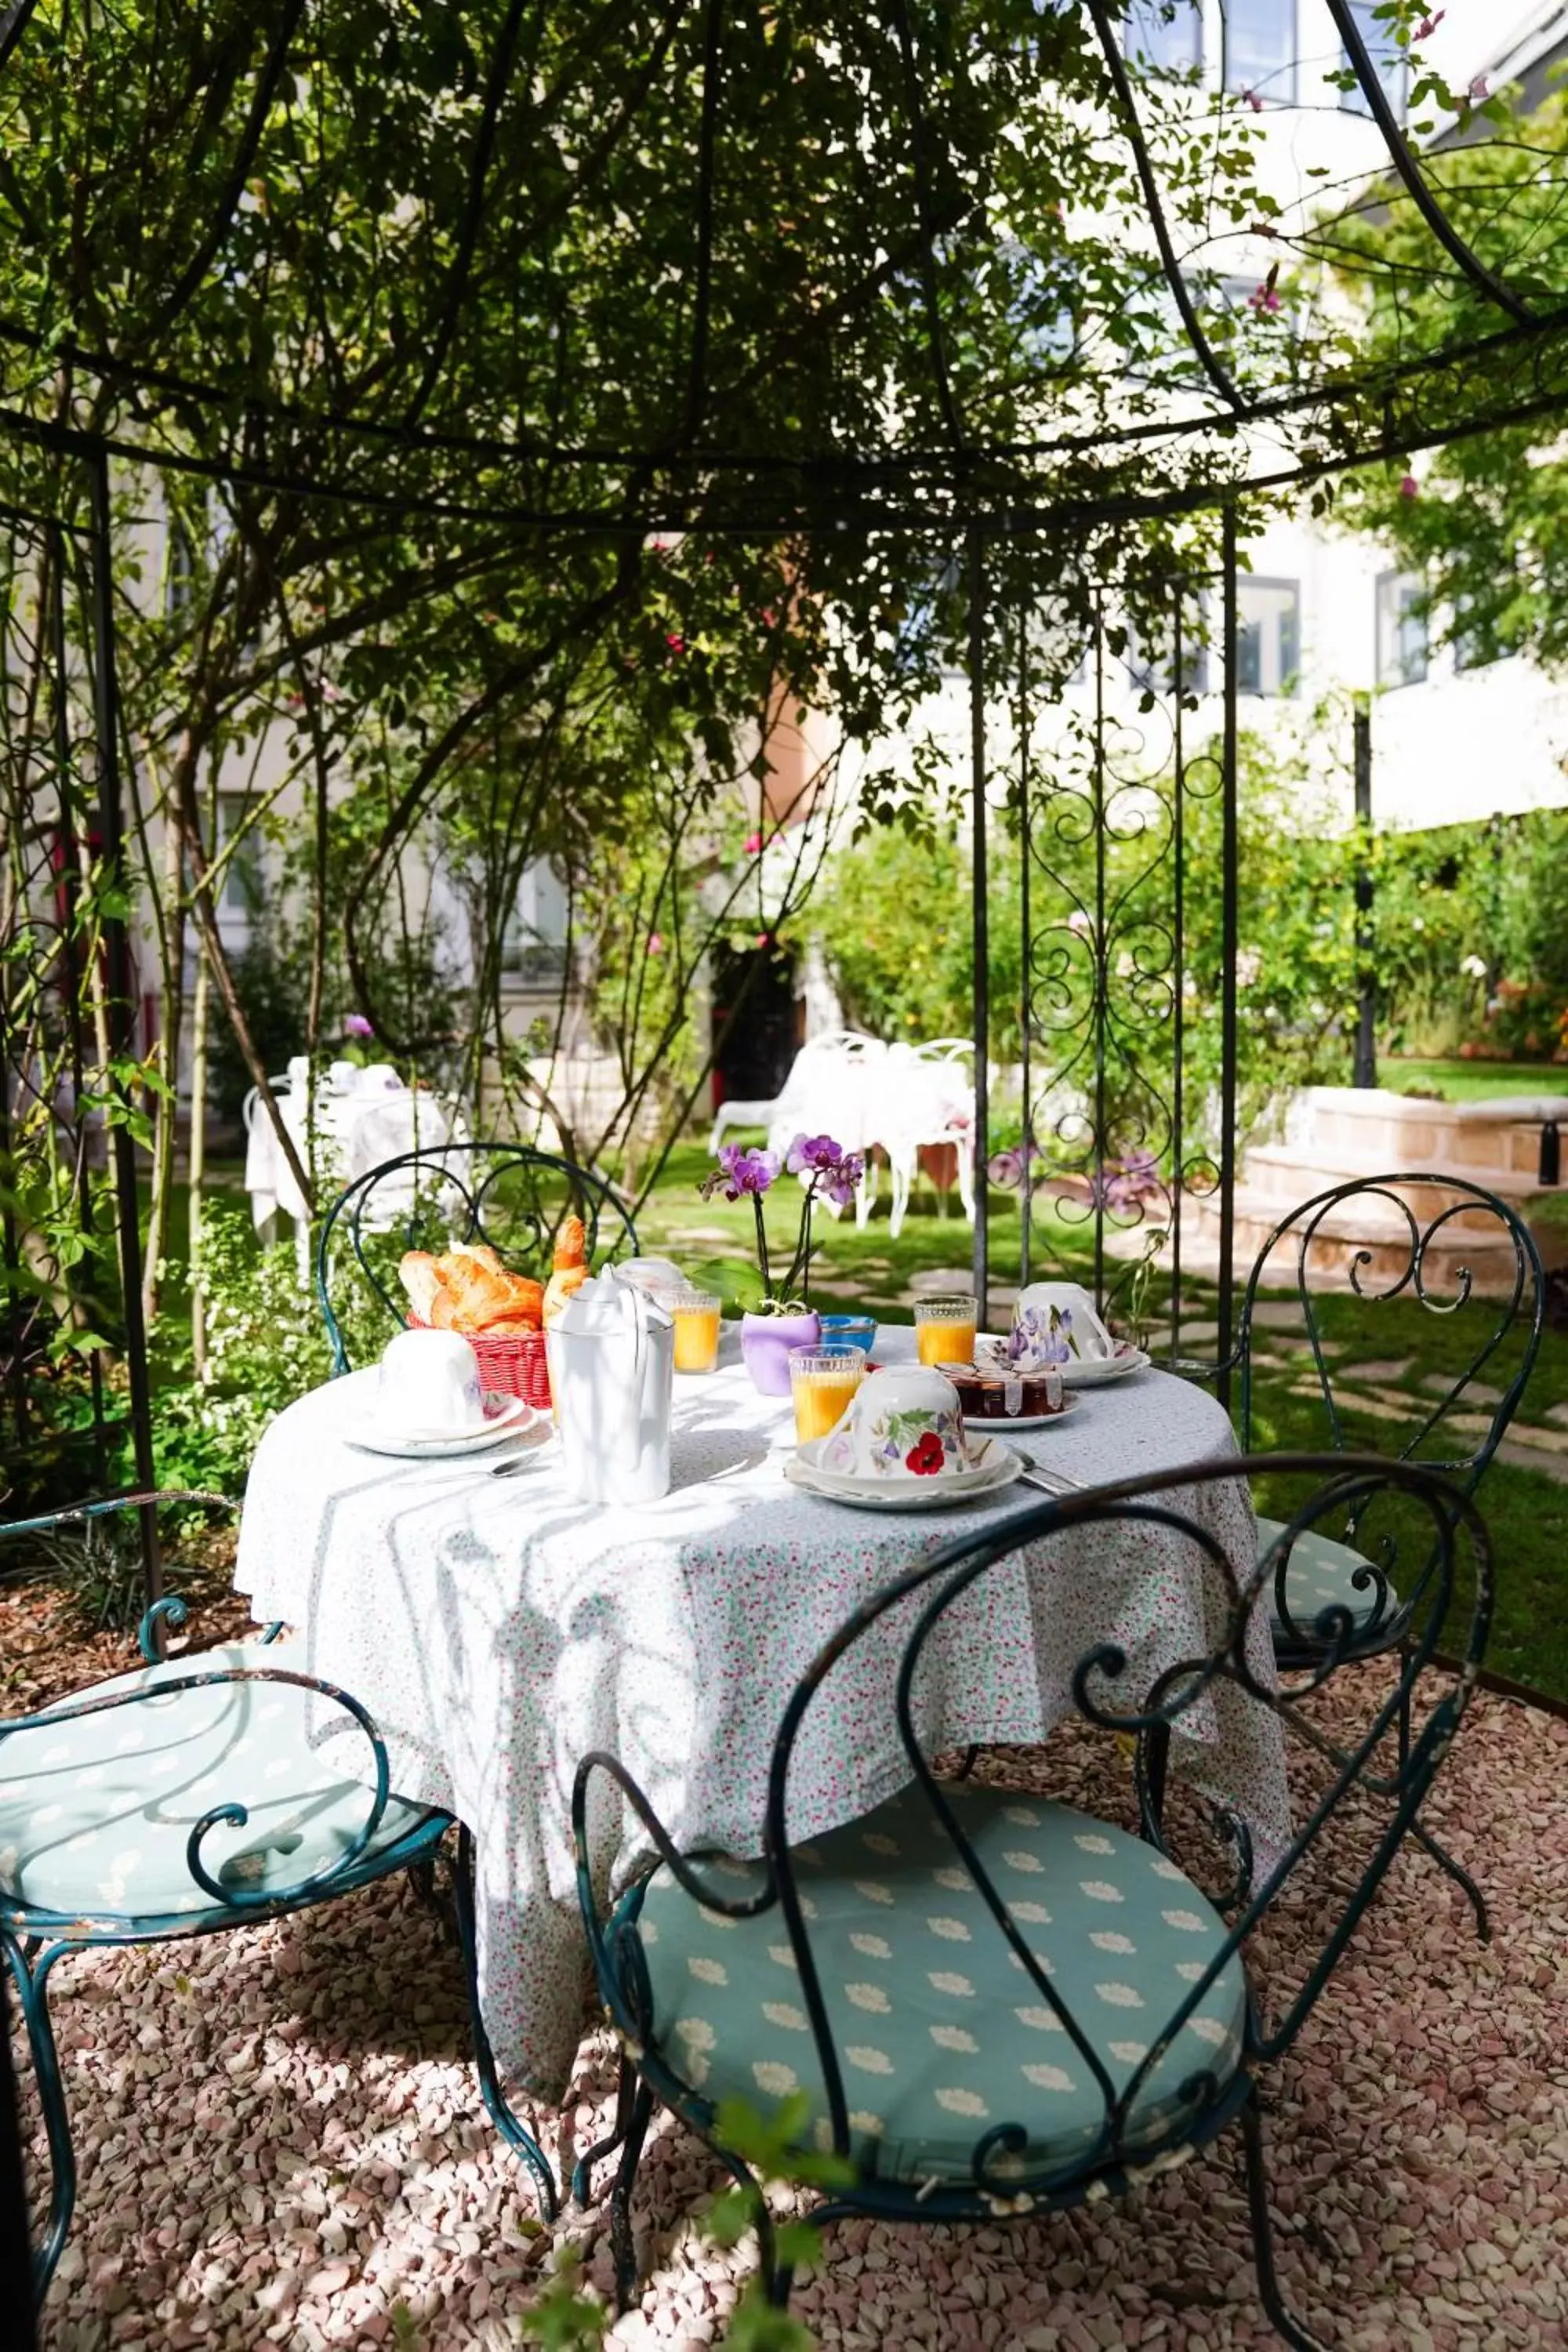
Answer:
(516, 1415)
(991, 1424)
(1079, 1372)
(997, 1468)
(1093, 1373)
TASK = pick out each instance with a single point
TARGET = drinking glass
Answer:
(821, 1385)
(696, 1317)
(946, 1330)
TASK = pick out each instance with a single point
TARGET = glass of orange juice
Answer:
(821, 1385)
(944, 1330)
(696, 1330)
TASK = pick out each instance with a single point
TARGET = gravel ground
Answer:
(281, 2141)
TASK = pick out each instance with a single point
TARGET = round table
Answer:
(497, 1631)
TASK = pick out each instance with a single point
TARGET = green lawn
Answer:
(1474, 1081)
(1526, 1510)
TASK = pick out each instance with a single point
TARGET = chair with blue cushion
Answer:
(505, 1194)
(987, 2005)
(1468, 1261)
(195, 1794)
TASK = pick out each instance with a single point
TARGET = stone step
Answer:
(1351, 1128)
(1295, 1172)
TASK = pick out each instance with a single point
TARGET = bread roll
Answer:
(417, 1271)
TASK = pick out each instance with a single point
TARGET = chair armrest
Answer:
(80, 1513)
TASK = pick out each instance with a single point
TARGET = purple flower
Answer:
(356, 1026)
(740, 1172)
(1010, 1169)
(1125, 1184)
(831, 1169)
(842, 1180)
(808, 1153)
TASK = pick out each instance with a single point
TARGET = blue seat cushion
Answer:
(939, 2032)
(95, 1812)
(1320, 1574)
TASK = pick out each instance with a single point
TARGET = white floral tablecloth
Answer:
(497, 1632)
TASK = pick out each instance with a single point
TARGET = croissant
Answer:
(571, 1246)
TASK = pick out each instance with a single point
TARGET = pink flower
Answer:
(676, 642)
(356, 1026)
(751, 843)
(656, 942)
(1410, 487)
(1480, 89)
(1253, 101)
(1428, 25)
(1263, 297)
(762, 939)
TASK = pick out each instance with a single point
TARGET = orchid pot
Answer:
(766, 1338)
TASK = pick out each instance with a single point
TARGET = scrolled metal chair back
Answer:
(1489, 1306)
(1355, 1769)
(506, 1194)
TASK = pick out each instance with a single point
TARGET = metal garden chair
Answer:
(507, 1194)
(1338, 1591)
(195, 1794)
(994, 2005)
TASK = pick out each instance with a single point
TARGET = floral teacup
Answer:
(1056, 1323)
(903, 1421)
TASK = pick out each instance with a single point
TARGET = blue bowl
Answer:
(848, 1331)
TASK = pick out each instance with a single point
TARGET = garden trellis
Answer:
(586, 384)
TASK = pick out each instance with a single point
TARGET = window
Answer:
(1260, 48)
(1152, 650)
(533, 939)
(242, 878)
(1269, 636)
(1165, 35)
(1401, 630)
(1387, 56)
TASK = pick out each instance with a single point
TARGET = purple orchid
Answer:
(824, 1167)
(740, 1171)
(811, 1152)
(356, 1026)
(832, 1170)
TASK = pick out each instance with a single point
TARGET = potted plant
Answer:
(783, 1318)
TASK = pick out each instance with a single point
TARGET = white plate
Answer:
(1089, 1373)
(999, 1468)
(1095, 1373)
(516, 1416)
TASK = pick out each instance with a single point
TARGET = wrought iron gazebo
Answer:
(1100, 504)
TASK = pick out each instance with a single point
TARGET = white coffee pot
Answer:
(611, 1352)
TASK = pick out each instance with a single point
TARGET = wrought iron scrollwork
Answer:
(508, 1195)
(1106, 906)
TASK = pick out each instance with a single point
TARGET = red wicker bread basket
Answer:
(511, 1363)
